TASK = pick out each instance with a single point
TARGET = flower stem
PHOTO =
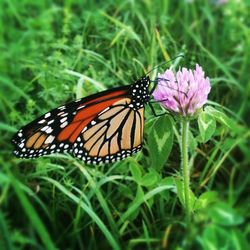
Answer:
(185, 167)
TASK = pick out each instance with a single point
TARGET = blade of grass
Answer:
(88, 210)
(100, 197)
(215, 168)
(5, 238)
(31, 212)
(146, 197)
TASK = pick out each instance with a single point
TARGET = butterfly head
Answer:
(140, 92)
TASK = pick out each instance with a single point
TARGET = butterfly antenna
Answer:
(156, 81)
(159, 65)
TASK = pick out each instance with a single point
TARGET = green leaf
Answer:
(139, 196)
(207, 126)
(160, 141)
(216, 237)
(223, 214)
(219, 116)
(179, 189)
(223, 119)
(205, 199)
(169, 181)
(135, 171)
(180, 193)
(192, 142)
(149, 179)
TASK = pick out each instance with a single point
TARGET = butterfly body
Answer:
(101, 128)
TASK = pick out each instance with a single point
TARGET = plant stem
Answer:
(185, 167)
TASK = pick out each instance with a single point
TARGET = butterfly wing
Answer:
(76, 126)
(50, 132)
(115, 133)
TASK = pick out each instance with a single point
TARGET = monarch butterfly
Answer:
(101, 128)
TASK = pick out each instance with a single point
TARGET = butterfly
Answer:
(101, 128)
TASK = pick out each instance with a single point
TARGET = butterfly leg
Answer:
(154, 86)
(161, 114)
(153, 111)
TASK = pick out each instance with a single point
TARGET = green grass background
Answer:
(57, 202)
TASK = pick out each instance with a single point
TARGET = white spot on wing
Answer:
(44, 128)
(106, 109)
(50, 122)
(49, 130)
(64, 124)
(42, 121)
(82, 106)
(49, 140)
(62, 107)
(47, 115)
(63, 119)
(84, 129)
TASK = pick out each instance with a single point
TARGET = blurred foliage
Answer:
(57, 201)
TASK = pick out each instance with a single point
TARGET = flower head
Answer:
(183, 92)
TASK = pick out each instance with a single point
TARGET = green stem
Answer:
(185, 166)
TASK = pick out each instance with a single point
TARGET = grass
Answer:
(56, 51)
